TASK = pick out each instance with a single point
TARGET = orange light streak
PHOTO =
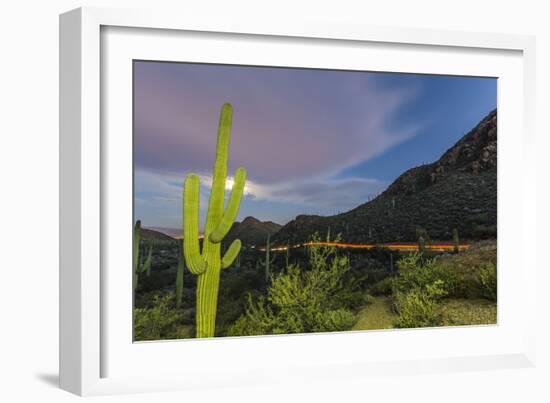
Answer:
(438, 247)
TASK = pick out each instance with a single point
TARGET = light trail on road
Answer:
(437, 247)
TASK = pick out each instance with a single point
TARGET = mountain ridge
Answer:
(456, 191)
(251, 231)
(154, 234)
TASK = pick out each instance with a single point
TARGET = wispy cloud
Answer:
(160, 192)
(287, 124)
(293, 130)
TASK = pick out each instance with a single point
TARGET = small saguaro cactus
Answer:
(139, 267)
(456, 241)
(208, 263)
(421, 245)
(268, 260)
(238, 259)
(149, 256)
(287, 255)
(179, 277)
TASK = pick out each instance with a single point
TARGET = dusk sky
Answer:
(312, 141)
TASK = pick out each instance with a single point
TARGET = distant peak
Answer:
(251, 219)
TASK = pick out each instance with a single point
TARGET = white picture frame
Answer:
(96, 356)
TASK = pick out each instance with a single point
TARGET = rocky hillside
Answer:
(251, 231)
(457, 191)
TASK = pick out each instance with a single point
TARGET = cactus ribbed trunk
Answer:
(207, 301)
(208, 264)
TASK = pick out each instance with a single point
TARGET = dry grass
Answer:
(469, 261)
(460, 312)
(377, 315)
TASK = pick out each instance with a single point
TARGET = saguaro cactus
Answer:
(268, 260)
(421, 245)
(238, 261)
(456, 241)
(208, 263)
(147, 269)
(138, 266)
(287, 255)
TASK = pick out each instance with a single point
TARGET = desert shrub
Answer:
(416, 309)
(421, 283)
(368, 299)
(419, 307)
(147, 299)
(353, 299)
(383, 287)
(418, 273)
(157, 322)
(300, 300)
(487, 280)
(335, 320)
(352, 290)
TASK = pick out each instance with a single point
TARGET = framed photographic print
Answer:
(237, 197)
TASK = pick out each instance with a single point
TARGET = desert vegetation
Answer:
(326, 274)
(323, 288)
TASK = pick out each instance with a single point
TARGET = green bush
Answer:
(302, 301)
(383, 287)
(158, 322)
(352, 292)
(418, 273)
(418, 288)
(487, 280)
(336, 320)
(418, 307)
(368, 299)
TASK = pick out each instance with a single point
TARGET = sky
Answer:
(312, 141)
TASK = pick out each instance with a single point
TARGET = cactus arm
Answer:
(191, 246)
(231, 253)
(217, 194)
(232, 208)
